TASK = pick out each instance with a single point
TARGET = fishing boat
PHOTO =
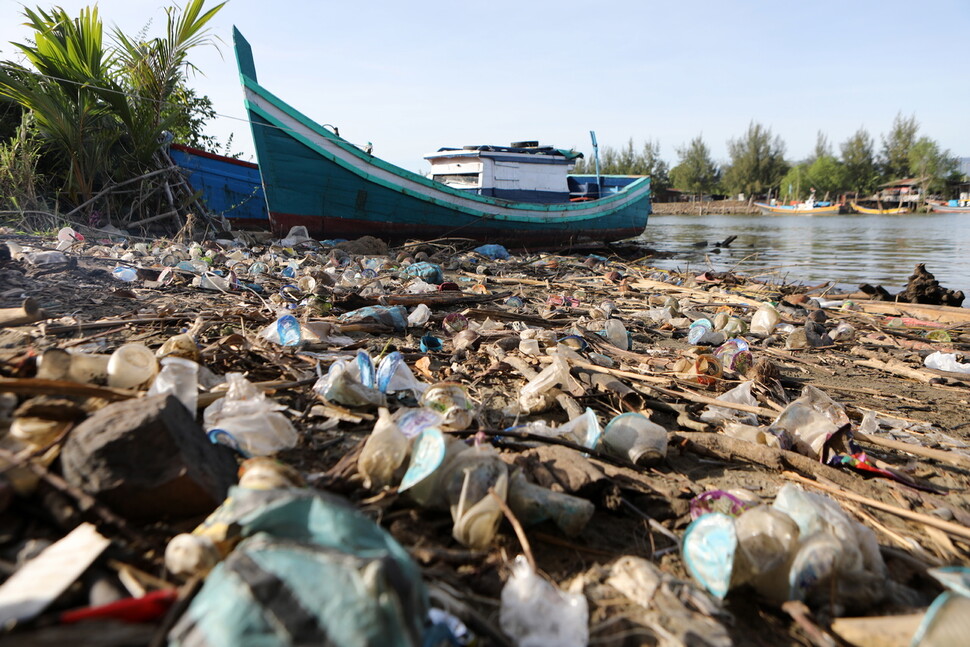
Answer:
(874, 211)
(949, 206)
(801, 209)
(315, 178)
(228, 187)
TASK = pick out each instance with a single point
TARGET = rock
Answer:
(148, 459)
(562, 469)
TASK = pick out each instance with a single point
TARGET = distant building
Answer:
(903, 191)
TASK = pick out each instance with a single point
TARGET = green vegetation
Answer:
(100, 112)
(696, 172)
(630, 162)
(758, 168)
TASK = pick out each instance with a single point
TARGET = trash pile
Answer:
(290, 441)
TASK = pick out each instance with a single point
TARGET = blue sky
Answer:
(411, 77)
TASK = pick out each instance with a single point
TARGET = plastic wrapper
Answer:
(740, 394)
(251, 418)
(534, 613)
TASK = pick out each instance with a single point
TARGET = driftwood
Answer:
(29, 312)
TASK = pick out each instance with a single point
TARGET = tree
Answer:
(861, 173)
(895, 147)
(822, 148)
(757, 161)
(827, 176)
(649, 162)
(796, 183)
(930, 164)
(695, 172)
(102, 109)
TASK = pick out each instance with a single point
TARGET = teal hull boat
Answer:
(314, 178)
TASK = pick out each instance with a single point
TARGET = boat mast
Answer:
(596, 159)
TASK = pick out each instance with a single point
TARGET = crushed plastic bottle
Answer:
(636, 438)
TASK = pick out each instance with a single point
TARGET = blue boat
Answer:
(315, 178)
(227, 186)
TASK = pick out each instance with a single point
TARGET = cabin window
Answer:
(457, 179)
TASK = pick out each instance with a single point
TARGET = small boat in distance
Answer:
(877, 211)
(315, 178)
(801, 209)
(949, 206)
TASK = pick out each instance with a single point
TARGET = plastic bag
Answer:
(394, 316)
(252, 419)
(534, 613)
(180, 377)
(493, 252)
(764, 320)
(740, 394)
(340, 385)
(428, 272)
(945, 362)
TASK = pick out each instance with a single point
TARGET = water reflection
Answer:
(846, 249)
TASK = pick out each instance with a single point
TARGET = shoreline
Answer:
(519, 314)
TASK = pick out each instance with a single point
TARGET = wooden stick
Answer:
(517, 527)
(29, 312)
(36, 386)
(925, 519)
(950, 458)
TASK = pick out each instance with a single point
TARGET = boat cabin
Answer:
(523, 172)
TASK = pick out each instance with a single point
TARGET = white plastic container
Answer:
(131, 366)
(635, 437)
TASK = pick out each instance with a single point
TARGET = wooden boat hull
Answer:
(943, 208)
(780, 210)
(870, 211)
(229, 187)
(316, 179)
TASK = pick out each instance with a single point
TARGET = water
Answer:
(844, 249)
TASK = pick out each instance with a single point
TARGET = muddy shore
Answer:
(914, 500)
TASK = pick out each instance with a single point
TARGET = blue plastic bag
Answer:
(427, 272)
(494, 252)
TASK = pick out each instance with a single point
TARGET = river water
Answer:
(845, 249)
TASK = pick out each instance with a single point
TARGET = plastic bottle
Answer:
(88, 368)
(131, 365)
(534, 504)
(635, 437)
